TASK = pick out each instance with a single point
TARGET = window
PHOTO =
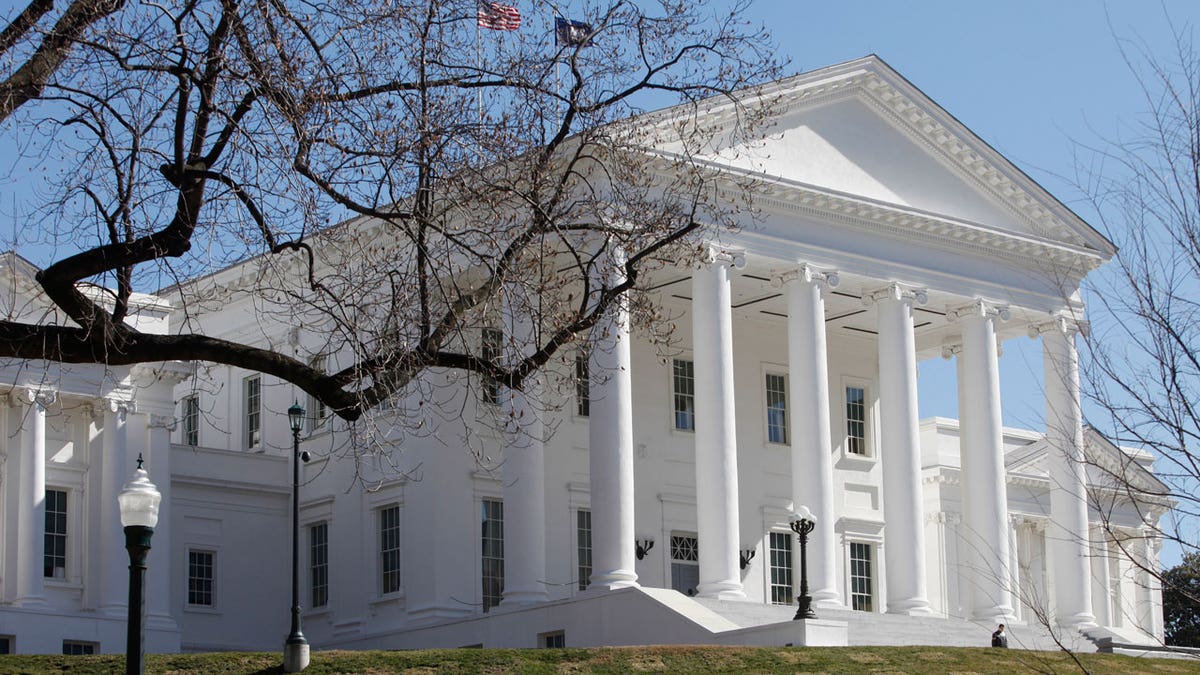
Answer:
(54, 553)
(80, 648)
(316, 410)
(191, 420)
(252, 396)
(554, 640)
(856, 420)
(201, 568)
(389, 549)
(583, 386)
(685, 563)
(684, 379)
(490, 351)
(861, 592)
(493, 552)
(777, 408)
(583, 539)
(781, 568)
(318, 564)
(6, 644)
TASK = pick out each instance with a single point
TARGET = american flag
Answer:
(495, 16)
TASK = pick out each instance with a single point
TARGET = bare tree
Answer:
(1141, 366)
(460, 162)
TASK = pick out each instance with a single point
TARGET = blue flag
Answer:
(572, 33)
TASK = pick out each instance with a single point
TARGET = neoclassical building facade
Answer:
(657, 489)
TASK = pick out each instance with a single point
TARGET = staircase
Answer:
(868, 628)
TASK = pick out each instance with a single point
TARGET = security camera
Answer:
(304, 457)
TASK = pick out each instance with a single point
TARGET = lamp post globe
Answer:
(139, 501)
(295, 650)
(802, 523)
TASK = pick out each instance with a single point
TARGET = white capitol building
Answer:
(648, 502)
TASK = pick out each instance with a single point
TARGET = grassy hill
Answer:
(628, 660)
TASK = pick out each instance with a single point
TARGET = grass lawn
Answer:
(673, 659)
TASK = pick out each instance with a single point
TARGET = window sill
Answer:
(201, 609)
(396, 597)
(317, 612)
(65, 584)
(853, 462)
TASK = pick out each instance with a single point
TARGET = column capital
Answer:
(120, 405)
(943, 517)
(805, 273)
(712, 254)
(33, 395)
(952, 347)
(896, 291)
(1059, 324)
(979, 308)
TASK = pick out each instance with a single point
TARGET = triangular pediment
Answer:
(859, 131)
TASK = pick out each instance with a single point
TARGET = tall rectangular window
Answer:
(318, 564)
(781, 568)
(777, 408)
(685, 563)
(684, 380)
(201, 575)
(856, 420)
(583, 541)
(191, 420)
(252, 398)
(490, 351)
(389, 549)
(316, 410)
(493, 552)
(54, 554)
(861, 588)
(583, 386)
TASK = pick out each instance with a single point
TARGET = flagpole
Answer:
(479, 90)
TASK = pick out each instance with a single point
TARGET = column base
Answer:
(612, 581)
(827, 599)
(1080, 622)
(514, 598)
(722, 590)
(31, 602)
(998, 614)
(910, 607)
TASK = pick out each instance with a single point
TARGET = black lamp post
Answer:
(803, 522)
(138, 501)
(295, 650)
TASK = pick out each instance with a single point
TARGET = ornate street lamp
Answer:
(295, 650)
(803, 522)
(138, 501)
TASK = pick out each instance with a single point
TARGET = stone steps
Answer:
(868, 628)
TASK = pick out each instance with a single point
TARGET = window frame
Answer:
(583, 384)
(872, 577)
(252, 414)
(212, 580)
(491, 347)
(583, 569)
(65, 534)
(790, 571)
(87, 647)
(313, 582)
(486, 599)
(316, 413)
(676, 394)
(690, 562)
(870, 451)
(768, 372)
(382, 578)
(189, 420)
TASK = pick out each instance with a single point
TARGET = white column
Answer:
(1067, 533)
(981, 452)
(524, 467)
(808, 428)
(1101, 595)
(114, 562)
(610, 440)
(31, 508)
(717, 513)
(901, 451)
(158, 575)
